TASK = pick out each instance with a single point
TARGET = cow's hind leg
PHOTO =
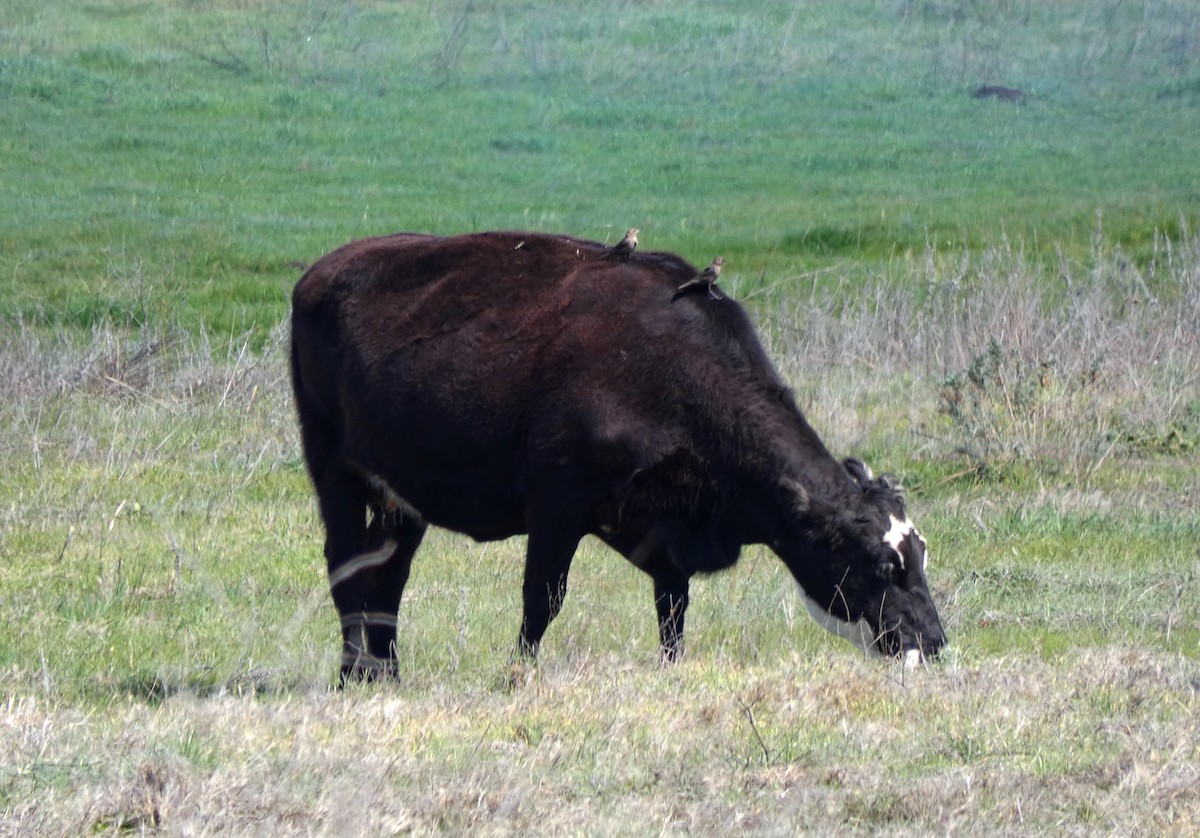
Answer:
(367, 591)
(368, 568)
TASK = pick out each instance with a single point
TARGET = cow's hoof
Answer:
(518, 675)
(368, 671)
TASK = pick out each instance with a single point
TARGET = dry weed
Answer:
(983, 356)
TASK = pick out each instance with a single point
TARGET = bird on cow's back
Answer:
(706, 279)
(623, 249)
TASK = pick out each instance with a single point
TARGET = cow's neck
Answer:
(777, 449)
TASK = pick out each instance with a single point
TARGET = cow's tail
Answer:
(320, 431)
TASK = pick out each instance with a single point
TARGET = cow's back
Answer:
(462, 369)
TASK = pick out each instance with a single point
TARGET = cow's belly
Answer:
(474, 505)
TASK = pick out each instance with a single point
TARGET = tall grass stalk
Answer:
(999, 357)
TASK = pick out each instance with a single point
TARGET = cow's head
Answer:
(861, 567)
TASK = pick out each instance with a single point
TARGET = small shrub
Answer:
(997, 404)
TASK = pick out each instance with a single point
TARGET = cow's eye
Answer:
(888, 564)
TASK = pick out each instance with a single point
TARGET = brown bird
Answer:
(707, 278)
(625, 247)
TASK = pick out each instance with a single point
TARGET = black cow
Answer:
(505, 383)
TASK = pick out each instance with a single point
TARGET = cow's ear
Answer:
(858, 470)
(797, 495)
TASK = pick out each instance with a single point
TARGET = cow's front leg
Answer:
(671, 602)
(656, 554)
(547, 563)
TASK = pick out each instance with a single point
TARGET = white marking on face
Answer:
(898, 531)
(901, 530)
(912, 658)
(858, 633)
(896, 534)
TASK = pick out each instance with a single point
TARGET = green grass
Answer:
(997, 302)
(212, 147)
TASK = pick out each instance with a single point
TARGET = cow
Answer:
(503, 383)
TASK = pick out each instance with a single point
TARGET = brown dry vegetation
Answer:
(1100, 359)
(1106, 741)
(170, 647)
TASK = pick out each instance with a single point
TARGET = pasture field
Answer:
(206, 147)
(997, 302)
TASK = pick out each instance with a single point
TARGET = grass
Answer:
(998, 303)
(216, 146)
(818, 745)
(171, 646)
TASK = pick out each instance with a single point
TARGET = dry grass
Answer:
(1002, 358)
(1103, 742)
